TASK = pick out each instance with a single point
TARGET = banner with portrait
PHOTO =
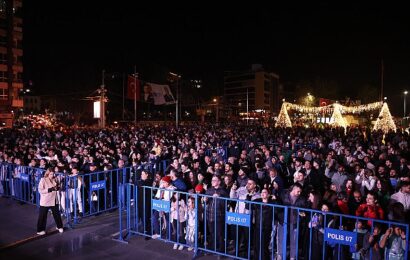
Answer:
(158, 94)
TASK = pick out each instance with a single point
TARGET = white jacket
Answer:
(47, 199)
(241, 194)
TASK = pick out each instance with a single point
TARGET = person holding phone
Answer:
(48, 188)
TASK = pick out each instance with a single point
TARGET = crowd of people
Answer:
(355, 172)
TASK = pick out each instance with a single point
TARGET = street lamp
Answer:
(215, 100)
(404, 102)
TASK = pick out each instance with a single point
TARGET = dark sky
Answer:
(67, 44)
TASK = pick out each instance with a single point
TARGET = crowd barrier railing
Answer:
(252, 230)
(90, 194)
(20, 182)
(79, 196)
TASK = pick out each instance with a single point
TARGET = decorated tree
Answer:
(337, 119)
(283, 117)
(385, 121)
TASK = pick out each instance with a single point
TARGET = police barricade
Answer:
(162, 214)
(20, 182)
(324, 235)
(241, 229)
(202, 223)
(245, 229)
(84, 195)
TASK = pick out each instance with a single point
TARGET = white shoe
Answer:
(175, 246)
(190, 248)
(41, 233)
(61, 230)
(155, 236)
(181, 247)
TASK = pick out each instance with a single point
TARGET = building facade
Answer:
(32, 104)
(11, 57)
(254, 89)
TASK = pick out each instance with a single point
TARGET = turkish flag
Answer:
(325, 102)
(133, 88)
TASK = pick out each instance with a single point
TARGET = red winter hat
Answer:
(166, 179)
(199, 188)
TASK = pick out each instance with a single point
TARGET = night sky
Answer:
(66, 47)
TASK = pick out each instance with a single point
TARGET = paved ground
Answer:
(91, 239)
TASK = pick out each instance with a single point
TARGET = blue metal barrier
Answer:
(79, 196)
(261, 231)
(20, 182)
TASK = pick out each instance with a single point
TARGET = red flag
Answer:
(133, 88)
(325, 102)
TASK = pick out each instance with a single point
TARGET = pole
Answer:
(382, 79)
(102, 106)
(247, 106)
(180, 101)
(404, 105)
(176, 105)
(123, 95)
(135, 95)
(217, 109)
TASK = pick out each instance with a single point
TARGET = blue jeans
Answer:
(155, 222)
(156, 228)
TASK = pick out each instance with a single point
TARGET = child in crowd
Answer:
(191, 219)
(178, 214)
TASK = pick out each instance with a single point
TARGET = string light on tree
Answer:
(283, 117)
(337, 119)
(337, 111)
(385, 121)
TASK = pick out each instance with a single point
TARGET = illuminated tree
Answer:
(385, 121)
(283, 117)
(337, 119)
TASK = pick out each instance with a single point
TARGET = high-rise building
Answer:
(11, 60)
(255, 88)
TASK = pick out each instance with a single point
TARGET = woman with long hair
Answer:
(48, 188)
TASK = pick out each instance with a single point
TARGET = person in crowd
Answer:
(370, 209)
(263, 215)
(395, 241)
(164, 193)
(144, 194)
(366, 180)
(178, 217)
(248, 193)
(74, 192)
(355, 200)
(403, 195)
(361, 230)
(348, 187)
(48, 192)
(274, 182)
(382, 191)
(177, 182)
(338, 177)
(191, 219)
(215, 214)
(312, 177)
(342, 203)
(371, 248)
(291, 197)
(317, 224)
